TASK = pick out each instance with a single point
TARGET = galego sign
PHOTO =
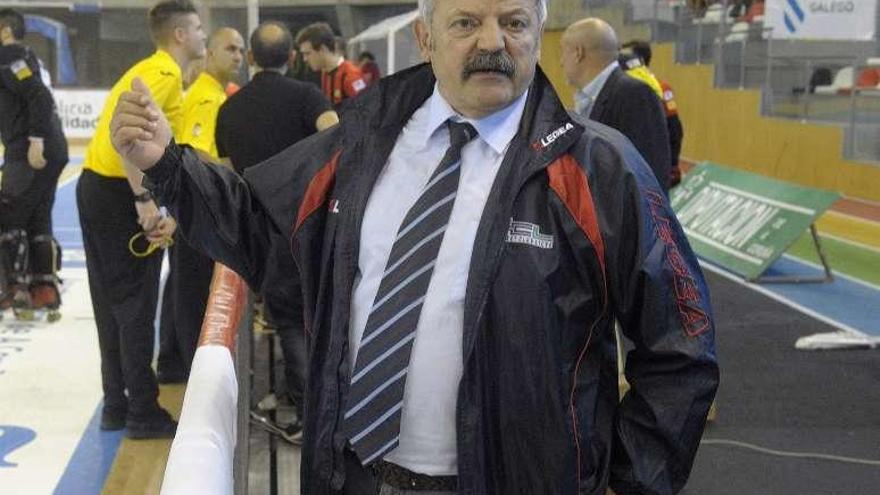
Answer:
(821, 19)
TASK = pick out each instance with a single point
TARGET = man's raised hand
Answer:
(139, 131)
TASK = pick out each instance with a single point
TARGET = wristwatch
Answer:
(144, 197)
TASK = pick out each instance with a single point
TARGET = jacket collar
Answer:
(546, 126)
(587, 95)
(497, 129)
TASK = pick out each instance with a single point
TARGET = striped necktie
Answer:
(375, 397)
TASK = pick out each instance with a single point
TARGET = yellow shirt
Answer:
(162, 75)
(645, 75)
(200, 108)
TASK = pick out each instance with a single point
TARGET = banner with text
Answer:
(744, 221)
(822, 19)
(79, 110)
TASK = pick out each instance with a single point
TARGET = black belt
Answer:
(404, 479)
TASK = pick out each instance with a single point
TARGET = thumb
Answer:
(139, 86)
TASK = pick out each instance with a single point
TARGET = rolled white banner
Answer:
(202, 454)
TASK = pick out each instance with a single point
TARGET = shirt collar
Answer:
(497, 129)
(209, 82)
(160, 53)
(591, 91)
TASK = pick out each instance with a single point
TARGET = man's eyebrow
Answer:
(458, 11)
(515, 11)
(461, 12)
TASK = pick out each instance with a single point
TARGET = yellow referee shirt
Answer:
(645, 75)
(162, 75)
(199, 117)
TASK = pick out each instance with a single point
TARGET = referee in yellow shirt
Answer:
(202, 102)
(114, 207)
(186, 291)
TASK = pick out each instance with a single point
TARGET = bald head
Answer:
(222, 37)
(595, 36)
(225, 54)
(588, 47)
(271, 44)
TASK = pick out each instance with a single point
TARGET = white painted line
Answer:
(722, 247)
(776, 297)
(780, 204)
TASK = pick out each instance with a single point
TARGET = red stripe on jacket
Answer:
(316, 193)
(570, 184)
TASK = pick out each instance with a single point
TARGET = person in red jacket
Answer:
(340, 79)
(369, 68)
(756, 9)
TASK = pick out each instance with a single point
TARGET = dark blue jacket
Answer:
(538, 405)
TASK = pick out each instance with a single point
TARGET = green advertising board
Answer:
(744, 221)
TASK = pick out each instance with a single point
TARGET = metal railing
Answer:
(742, 56)
(790, 89)
(243, 372)
(697, 34)
(862, 137)
(745, 55)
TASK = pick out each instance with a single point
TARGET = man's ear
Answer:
(179, 35)
(579, 54)
(250, 58)
(423, 35)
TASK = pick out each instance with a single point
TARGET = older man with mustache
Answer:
(464, 247)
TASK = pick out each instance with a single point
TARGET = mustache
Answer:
(498, 61)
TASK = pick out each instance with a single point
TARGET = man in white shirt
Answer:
(464, 247)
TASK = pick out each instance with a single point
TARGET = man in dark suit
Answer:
(607, 95)
(269, 114)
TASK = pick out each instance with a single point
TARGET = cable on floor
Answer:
(782, 453)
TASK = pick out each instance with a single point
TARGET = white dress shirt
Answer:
(585, 98)
(427, 431)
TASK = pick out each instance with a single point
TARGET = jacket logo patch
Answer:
(553, 136)
(529, 234)
(21, 70)
(334, 206)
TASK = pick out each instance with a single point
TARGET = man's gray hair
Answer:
(426, 10)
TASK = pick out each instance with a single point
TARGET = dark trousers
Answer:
(27, 195)
(283, 301)
(183, 307)
(124, 293)
(358, 479)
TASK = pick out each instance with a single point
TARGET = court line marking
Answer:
(782, 299)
